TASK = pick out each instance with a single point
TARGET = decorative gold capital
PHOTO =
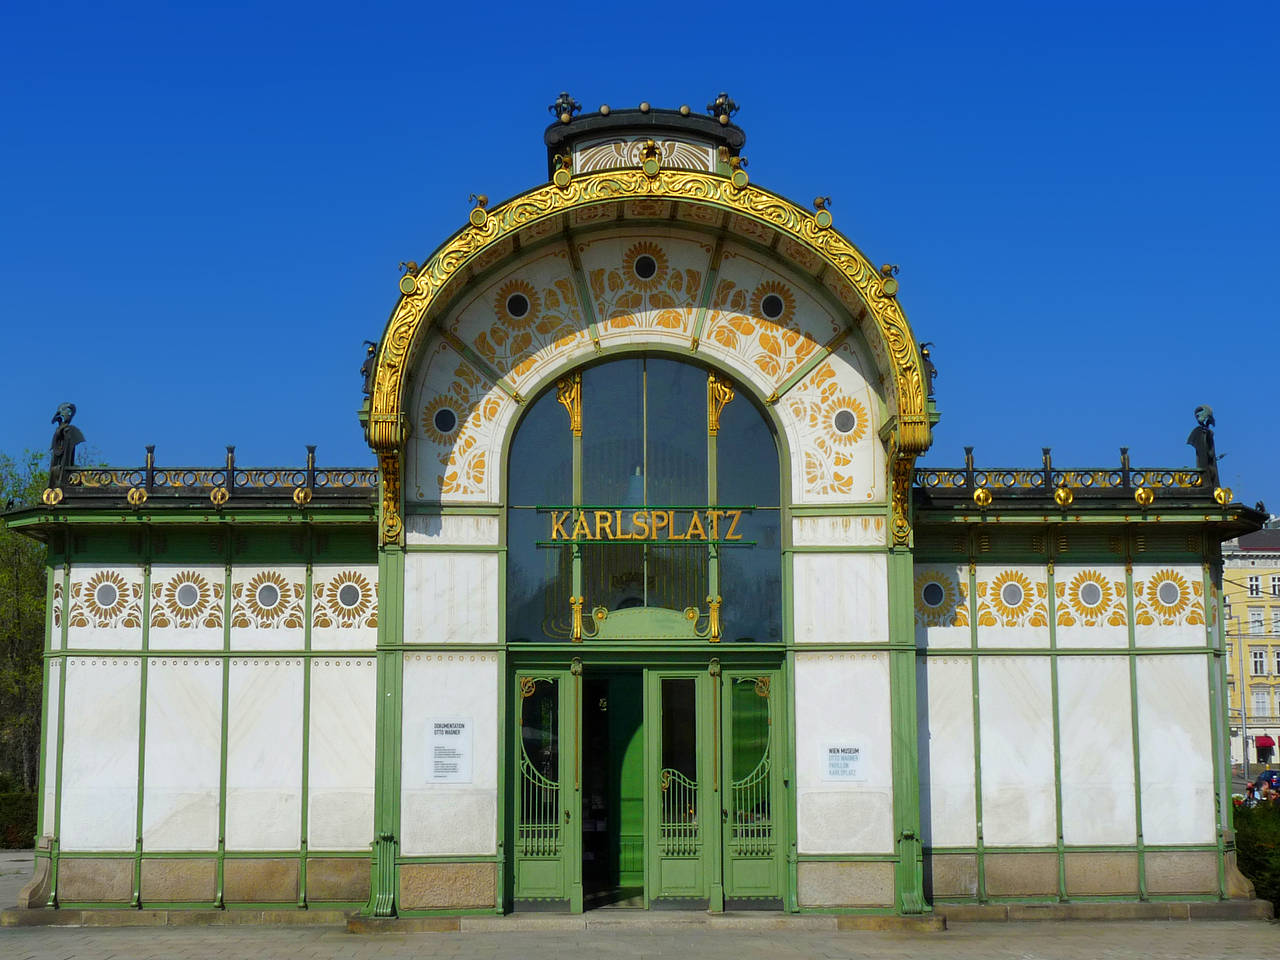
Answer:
(575, 604)
(902, 467)
(392, 527)
(569, 393)
(719, 393)
(713, 619)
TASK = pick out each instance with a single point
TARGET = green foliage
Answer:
(22, 624)
(17, 821)
(1258, 848)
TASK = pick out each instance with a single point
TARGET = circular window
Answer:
(1011, 594)
(517, 305)
(771, 306)
(349, 595)
(1090, 594)
(933, 594)
(1169, 593)
(445, 419)
(646, 267)
(106, 595)
(268, 596)
(845, 421)
(187, 595)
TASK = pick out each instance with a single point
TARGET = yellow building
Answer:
(1251, 585)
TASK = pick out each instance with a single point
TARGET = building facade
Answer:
(646, 602)
(1251, 596)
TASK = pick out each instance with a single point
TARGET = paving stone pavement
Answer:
(1076, 940)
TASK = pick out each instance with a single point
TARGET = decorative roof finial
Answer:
(722, 108)
(565, 107)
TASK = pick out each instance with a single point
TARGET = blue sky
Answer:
(204, 207)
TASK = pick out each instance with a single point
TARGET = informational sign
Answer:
(842, 761)
(449, 743)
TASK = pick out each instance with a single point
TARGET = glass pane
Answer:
(678, 577)
(613, 433)
(679, 726)
(540, 471)
(539, 580)
(751, 582)
(613, 576)
(677, 433)
(539, 726)
(749, 703)
(747, 456)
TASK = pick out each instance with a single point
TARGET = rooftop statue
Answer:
(62, 449)
(1201, 439)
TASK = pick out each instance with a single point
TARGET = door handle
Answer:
(566, 816)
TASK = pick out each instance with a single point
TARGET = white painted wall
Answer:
(1175, 750)
(183, 754)
(264, 754)
(844, 697)
(332, 627)
(449, 818)
(275, 628)
(1096, 736)
(341, 752)
(168, 629)
(451, 598)
(100, 754)
(49, 789)
(439, 529)
(1018, 793)
(944, 706)
(840, 597)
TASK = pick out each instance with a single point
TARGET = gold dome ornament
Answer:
(739, 176)
(1144, 496)
(822, 219)
(564, 172)
(982, 497)
(478, 215)
(1063, 496)
(1222, 495)
(651, 158)
(409, 282)
(889, 285)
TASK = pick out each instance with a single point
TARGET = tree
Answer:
(22, 626)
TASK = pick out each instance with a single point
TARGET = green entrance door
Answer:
(682, 822)
(752, 799)
(547, 842)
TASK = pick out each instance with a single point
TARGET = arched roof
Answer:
(794, 233)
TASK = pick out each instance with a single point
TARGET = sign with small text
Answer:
(449, 746)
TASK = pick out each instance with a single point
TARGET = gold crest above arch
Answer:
(842, 266)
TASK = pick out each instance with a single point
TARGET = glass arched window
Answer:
(644, 483)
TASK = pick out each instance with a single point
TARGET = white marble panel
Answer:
(1174, 748)
(811, 531)
(1012, 606)
(1018, 785)
(1091, 606)
(844, 698)
(183, 754)
(450, 818)
(188, 606)
(104, 610)
(269, 607)
(49, 775)
(100, 754)
(344, 606)
(1168, 605)
(941, 604)
(1096, 738)
(840, 597)
(944, 704)
(451, 598)
(264, 754)
(451, 529)
(341, 753)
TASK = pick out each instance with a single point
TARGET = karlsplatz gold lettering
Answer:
(734, 516)
(652, 525)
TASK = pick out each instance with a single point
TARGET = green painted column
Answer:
(909, 875)
(386, 791)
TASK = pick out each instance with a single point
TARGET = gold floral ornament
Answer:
(517, 304)
(186, 600)
(844, 420)
(1012, 600)
(774, 301)
(1167, 599)
(1091, 599)
(645, 266)
(348, 600)
(268, 601)
(106, 599)
(440, 420)
(942, 600)
(761, 327)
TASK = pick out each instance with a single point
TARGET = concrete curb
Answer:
(1162, 910)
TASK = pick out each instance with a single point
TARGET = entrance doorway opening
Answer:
(613, 791)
